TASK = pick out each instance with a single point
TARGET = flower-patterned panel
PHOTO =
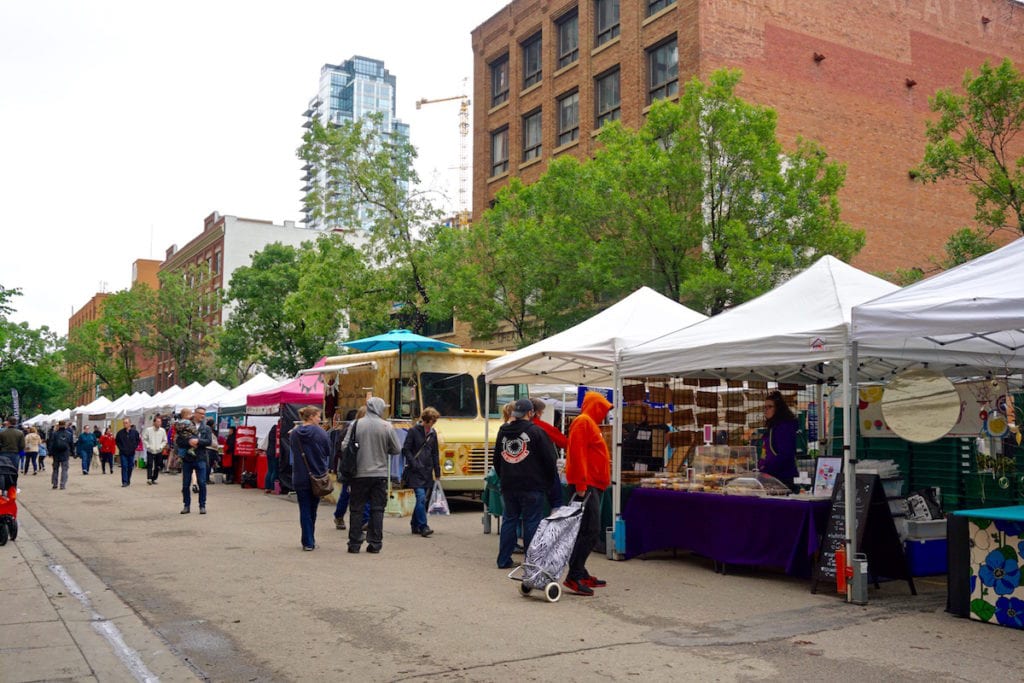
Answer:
(997, 549)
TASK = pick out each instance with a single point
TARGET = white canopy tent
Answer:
(589, 352)
(236, 397)
(210, 394)
(182, 399)
(101, 403)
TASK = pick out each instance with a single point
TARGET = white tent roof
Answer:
(161, 398)
(586, 353)
(972, 314)
(209, 394)
(183, 399)
(111, 409)
(236, 397)
(101, 403)
(784, 334)
(133, 406)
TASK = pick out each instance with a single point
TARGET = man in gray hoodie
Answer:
(377, 443)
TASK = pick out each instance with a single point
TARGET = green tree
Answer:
(706, 206)
(110, 345)
(30, 361)
(702, 204)
(368, 180)
(976, 141)
(178, 326)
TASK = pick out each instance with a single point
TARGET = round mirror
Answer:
(920, 405)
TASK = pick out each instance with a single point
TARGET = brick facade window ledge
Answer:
(658, 15)
(567, 146)
(497, 107)
(535, 86)
(647, 109)
(567, 68)
(531, 162)
(493, 178)
(604, 46)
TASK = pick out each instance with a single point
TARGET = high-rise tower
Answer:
(348, 92)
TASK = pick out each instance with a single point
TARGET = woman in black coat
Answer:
(422, 466)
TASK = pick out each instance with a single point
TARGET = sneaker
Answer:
(578, 587)
(339, 523)
(507, 565)
(55, 486)
(371, 549)
(594, 582)
(184, 511)
(154, 482)
(353, 549)
(426, 532)
(307, 548)
(195, 488)
(202, 511)
(149, 482)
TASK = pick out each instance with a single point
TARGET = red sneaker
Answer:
(578, 587)
(593, 582)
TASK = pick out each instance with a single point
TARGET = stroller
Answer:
(549, 551)
(8, 500)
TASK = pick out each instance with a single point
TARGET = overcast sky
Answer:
(124, 123)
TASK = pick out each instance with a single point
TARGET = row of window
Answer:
(567, 34)
(662, 82)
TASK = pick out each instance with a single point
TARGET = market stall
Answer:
(588, 353)
(971, 320)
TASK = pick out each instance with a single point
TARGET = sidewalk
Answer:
(61, 623)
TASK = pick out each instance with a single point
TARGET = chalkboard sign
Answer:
(876, 534)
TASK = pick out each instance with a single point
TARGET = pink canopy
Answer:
(302, 389)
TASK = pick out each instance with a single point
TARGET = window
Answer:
(606, 20)
(655, 6)
(568, 38)
(606, 99)
(500, 394)
(662, 71)
(568, 118)
(452, 395)
(217, 262)
(531, 135)
(531, 61)
(499, 80)
(499, 151)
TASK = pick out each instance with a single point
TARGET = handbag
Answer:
(322, 484)
(349, 457)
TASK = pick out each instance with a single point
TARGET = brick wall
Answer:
(855, 101)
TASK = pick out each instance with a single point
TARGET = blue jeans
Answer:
(86, 459)
(187, 468)
(419, 513)
(308, 504)
(127, 465)
(528, 505)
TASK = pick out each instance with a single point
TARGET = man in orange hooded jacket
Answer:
(588, 468)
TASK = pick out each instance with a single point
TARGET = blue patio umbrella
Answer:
(405, 341)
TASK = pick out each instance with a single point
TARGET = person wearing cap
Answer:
(524, 460)
(195, 445)
(377, 443)
(558, 439)
(588, 468)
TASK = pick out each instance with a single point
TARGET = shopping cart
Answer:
(549, 552)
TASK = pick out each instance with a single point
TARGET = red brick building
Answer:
(81, 377)
(854, 76)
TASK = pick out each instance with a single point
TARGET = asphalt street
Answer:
(107, 583)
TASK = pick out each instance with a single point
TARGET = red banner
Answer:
(245, 441)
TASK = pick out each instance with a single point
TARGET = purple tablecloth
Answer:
(771, 532)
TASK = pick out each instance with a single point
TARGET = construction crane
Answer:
(464, 103)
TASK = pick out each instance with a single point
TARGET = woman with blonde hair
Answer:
(32, 441)
(311, 455)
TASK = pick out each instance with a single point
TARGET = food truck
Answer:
(450, 380)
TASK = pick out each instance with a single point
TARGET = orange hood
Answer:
(595, 406)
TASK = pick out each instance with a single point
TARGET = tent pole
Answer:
(850, 394)
(616, 446)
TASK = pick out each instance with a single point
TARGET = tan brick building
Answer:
(80, 376)
(854, 76)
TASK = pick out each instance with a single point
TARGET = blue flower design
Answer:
(1010, 612)
(999, 573)
(1010, 528)
(974, 583)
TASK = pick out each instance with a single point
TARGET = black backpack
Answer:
(61, 442)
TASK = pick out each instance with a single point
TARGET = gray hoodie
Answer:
(376, 438)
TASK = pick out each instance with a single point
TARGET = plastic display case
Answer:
(755, 484)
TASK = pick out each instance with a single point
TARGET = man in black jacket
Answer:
(59, 445)
(128, 441)
(524, 459)
(195, 458)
